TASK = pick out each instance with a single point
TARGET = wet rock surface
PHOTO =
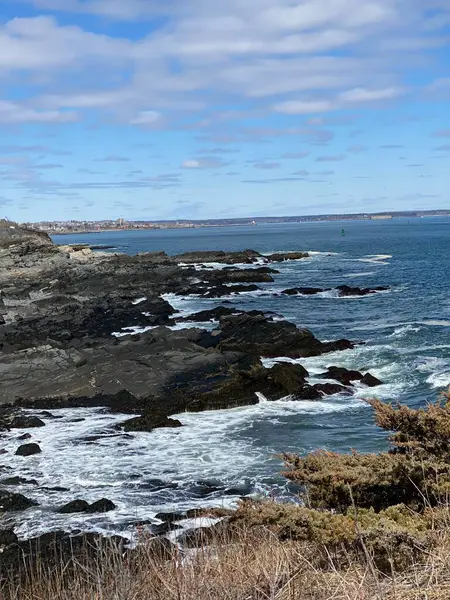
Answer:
(28, 450)
(12, 502)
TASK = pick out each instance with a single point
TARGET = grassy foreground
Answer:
(374, 526)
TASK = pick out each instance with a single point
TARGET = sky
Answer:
(195, 109)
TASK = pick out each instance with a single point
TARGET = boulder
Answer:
(28, 450)
(25, 422)
(370, 380)
(150, 421)
(101, 506)
(342, 375)
(76, 506)
(10, 502)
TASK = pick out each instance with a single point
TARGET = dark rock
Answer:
(329, 389)
(101, 506)
(342, 375)
(14, 502)
(262, 336)
(217, 256)
(345, 290)
(303, 291)
(164, 528)
(18, 481)
(288, 377)
(28, 450)
(7, 537)
(308, 392)
(210, 315)
(25, 436)
(283, 256)
(26, 421)
(371, 380)
(76, 506)
(170, 517)
(150, 421)
(48, 415)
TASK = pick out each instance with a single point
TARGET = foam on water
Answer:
(354, 275)
(376, 259)
(123, 467)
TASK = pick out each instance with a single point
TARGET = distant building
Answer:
(381, 217)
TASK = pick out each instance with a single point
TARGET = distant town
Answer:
(75, 226)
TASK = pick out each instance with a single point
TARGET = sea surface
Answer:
(218, 456)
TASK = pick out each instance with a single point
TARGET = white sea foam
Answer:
(436, 323)
(439, 380)
(376, 259)
(354, 275)
(117, 465)
(139, 300)
(133, 330)
(405, 330)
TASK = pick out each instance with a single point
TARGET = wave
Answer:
(376, 259)
(405, 330)
(439, 380)
(436, 323)
(354, 275)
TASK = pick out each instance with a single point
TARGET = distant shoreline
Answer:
(95, 227)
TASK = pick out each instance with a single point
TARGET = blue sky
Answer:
(166, 109)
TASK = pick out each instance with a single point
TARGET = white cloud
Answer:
(203, 163)
(12, 113)
(258, 52)
(299, 107)
(146, 117)
(359, 95)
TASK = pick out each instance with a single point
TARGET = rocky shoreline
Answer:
(59, 309)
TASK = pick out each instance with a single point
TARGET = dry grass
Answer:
(254, 565)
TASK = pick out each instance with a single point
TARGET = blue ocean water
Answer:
(405, 342)
(405, 332)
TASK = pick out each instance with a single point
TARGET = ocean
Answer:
(218, 456)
